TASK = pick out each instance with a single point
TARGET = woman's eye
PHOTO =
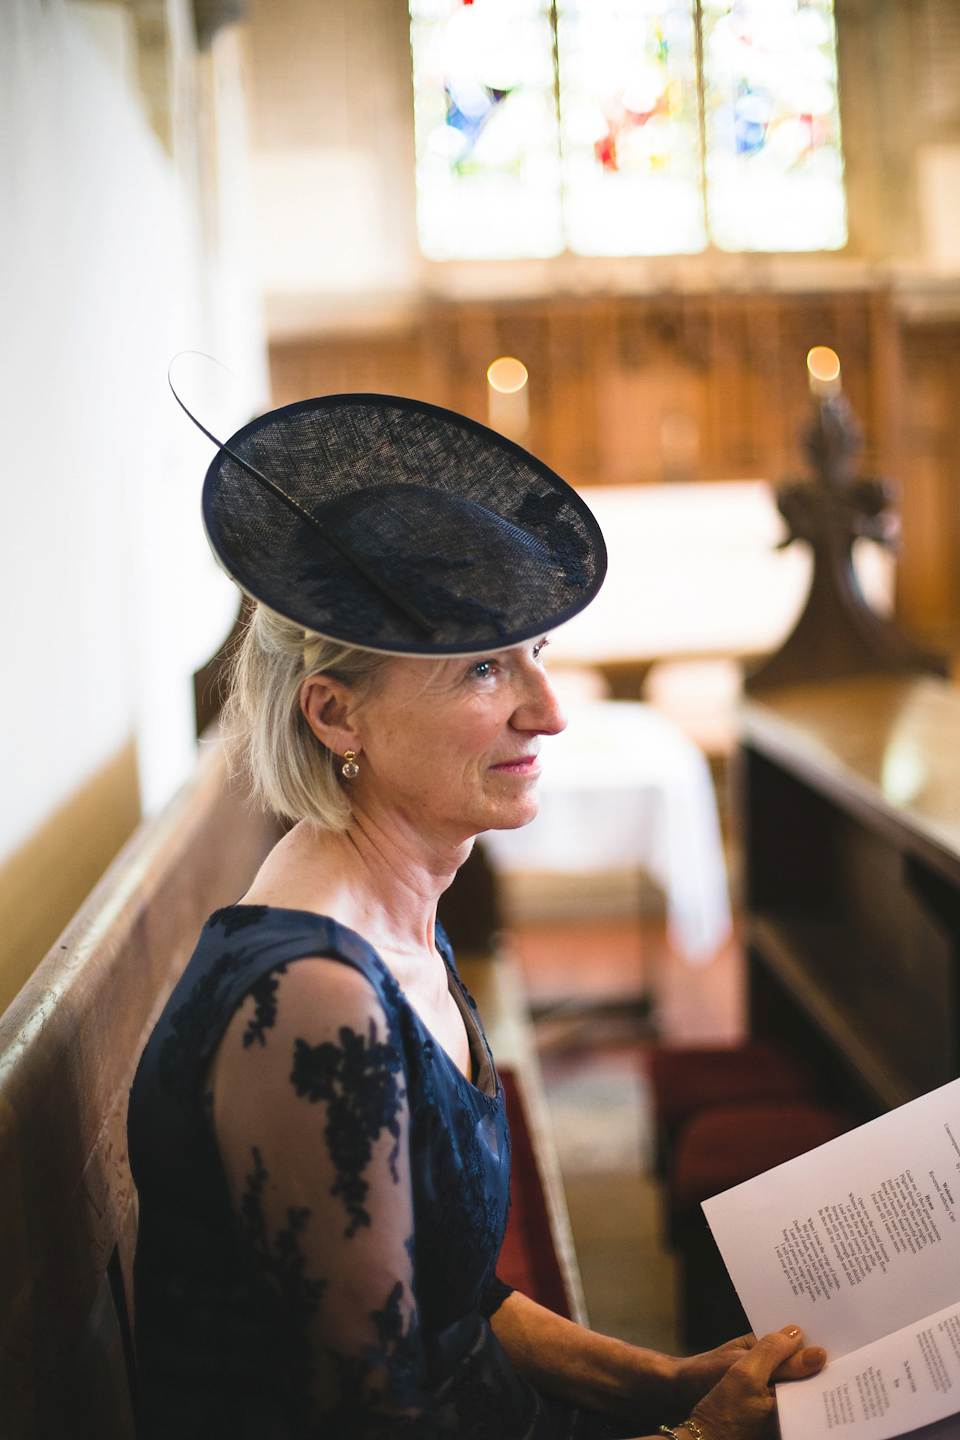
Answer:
(539, 648)
(483, 670)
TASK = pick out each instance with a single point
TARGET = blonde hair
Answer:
(291, 771)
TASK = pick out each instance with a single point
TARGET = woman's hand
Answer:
(741, 1406)
(698, 1374)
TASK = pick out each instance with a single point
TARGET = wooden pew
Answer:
(69, 1046)
(850, 806)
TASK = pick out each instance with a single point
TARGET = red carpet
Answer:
(528, 1260)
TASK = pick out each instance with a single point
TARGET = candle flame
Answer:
(823, 367)
(507, 375)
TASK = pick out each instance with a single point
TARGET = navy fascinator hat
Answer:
(400, 527)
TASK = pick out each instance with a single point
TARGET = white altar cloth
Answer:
(622, 786)
(694, 571)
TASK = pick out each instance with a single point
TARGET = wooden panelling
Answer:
(624, 390)
(684, 387)
(929, 473)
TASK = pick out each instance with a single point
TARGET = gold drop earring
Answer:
(350, 769)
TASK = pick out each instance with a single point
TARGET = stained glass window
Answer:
(630, 132)
(617, 127)
(774, 168)
(485, 117)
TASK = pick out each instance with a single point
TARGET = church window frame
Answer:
(626, 127)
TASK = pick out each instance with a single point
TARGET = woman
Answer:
(316, 1128)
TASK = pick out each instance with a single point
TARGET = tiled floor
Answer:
(627, 1276)
(587, 982)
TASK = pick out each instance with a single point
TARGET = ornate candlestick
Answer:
(838, 633)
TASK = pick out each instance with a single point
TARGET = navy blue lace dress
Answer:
(365, 1312)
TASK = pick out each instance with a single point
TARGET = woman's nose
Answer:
(540, 710)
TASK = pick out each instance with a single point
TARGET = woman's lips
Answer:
(527, 765)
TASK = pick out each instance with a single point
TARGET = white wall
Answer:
(333, 160)
(109, 595)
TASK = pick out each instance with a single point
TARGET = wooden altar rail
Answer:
(69, 1046)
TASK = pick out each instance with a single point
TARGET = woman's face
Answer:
(452, 745)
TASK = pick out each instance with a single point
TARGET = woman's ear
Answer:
(327, 708)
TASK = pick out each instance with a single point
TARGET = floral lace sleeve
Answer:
(309, 1108)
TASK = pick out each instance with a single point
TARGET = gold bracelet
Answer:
(690, 1425)
(665, 1430)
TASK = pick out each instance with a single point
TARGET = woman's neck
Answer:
(379, 878)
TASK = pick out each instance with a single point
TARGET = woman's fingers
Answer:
(805, 1362)
(742, 1342)
(770, 1353)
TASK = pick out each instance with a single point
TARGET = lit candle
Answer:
(508, 406)
(823, 371)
